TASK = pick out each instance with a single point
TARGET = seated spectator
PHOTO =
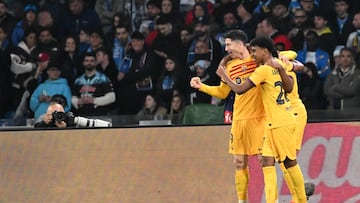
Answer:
(353, 40)
(270, 27)
(46, 42)
(92, 92)
(311, 88)
(171, 81)
(327, 38)
(151, 110)
(342, 87)
(41, 97)
(313, 53)
(279, 10)
(176, 110)
(28, 20)
(96, 40)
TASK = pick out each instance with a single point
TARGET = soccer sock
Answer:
(298, 182)
(289, 182)
(241, 184)
(270, 184)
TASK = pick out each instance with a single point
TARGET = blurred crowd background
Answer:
(136, 57)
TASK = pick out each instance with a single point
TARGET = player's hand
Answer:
(284, 59)
(195, 82)
(273, 63)
(221, 72)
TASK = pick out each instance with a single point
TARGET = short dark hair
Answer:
(265, 42)
(236, 35)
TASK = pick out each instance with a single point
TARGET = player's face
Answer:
(258, 54)
(234, 48)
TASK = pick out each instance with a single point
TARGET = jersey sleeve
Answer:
(221, 91)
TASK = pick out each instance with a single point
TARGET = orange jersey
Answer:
(248, 105)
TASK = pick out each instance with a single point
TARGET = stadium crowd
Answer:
(110, 57)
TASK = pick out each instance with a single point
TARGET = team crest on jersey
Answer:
(238, 80)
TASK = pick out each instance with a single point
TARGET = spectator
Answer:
(120, 43)
(186, 34)
(5, 76)
(353, 40)
(96, 40)
(84, 39)
(311, 88)
(342, 23)
(309, 6)
(229, 22)
(171, 12)
(137, 76)
(167, 42)
(336, 56)
(249, 21)
(77, 17)
(46, 42)
(106, 9)
(171, 81)
(279, 10)
(176, 110)
(342, 87)
(93, 92)
(119, 18)
(152, 110)
(7, 21)
(70, 59)
(23, 64)
(106, 64)
(300, 25)
(221, 8)
(45, 19)
(313, 53)
(28, 20)
(327, 38)
(206, 6)
(41, 97)
(270, 27)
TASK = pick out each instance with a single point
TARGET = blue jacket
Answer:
(17, 33)
(322, 61)
(50, 88)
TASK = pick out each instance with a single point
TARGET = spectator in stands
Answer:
(106, 64)
(353, 40)
(206, 6)
(106, 9)
(171, 12)
(93, 92)
(309, 6)
(77, 17)
(46, 42)
(167, 42)
(119, 18)
(327, 38)
(7, 21)
(152, 109)
(96, 40)
(27, 21)
(311, 88)
(171, 81)
(270, 27)
(45, 19)
(336, 56)
(138, 75)
(202, 32)
(84, 39)
(222, 7)
(41, 97)
(23, 64)
(120, 43)
(5, 76)
(279, 10)
(70, 59)
(249, 21)
(229, 22)
(42, 59)
(300, 25)
(342, 23)
(186, 34)
(342, 87)
(176, 110)
(313, 53)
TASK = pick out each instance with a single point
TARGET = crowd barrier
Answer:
(164, 165)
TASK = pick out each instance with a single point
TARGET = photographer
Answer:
(56, 117)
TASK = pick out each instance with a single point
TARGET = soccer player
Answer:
(248, 123)
(279, 141)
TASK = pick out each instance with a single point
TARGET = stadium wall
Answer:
(163, 165)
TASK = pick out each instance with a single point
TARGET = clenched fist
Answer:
(195, 82)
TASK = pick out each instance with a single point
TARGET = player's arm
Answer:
(239, 89)
(287, 81)
(297, 66)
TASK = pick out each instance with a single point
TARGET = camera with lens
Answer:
(58, 116)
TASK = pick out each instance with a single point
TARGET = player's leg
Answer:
(241, 177)
(297, 179)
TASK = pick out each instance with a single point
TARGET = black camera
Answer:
(58, 116)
